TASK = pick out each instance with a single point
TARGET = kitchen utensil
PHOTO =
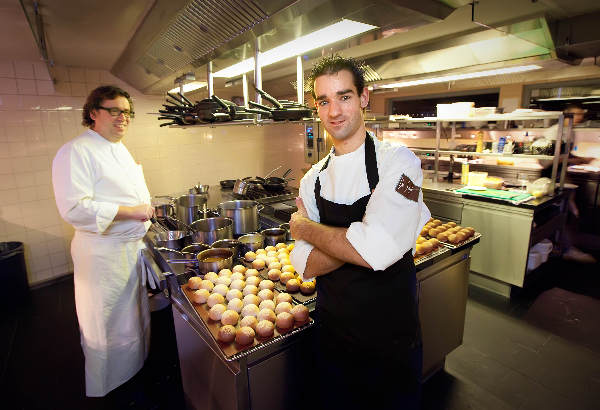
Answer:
(288, 234)
(173, 239)
(284, 110)
(243, 186)
(212, 229)
(188, 206)
(213, 260)
(266, 176)
(244, 214)
(273, 236)
(201, 189)
(251, 242)
(227, 183)
(233, 244)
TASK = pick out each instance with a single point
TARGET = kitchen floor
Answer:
(510, 358)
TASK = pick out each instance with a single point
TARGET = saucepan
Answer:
(273, 236)
(244, 214)
(213, 260)
(288, 234)
(251, 242)
(188, 206)
(233, 244)
(173, 239)
(209, 230)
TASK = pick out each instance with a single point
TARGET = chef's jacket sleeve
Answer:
(395, 213)
(73, 180)
(302, 249)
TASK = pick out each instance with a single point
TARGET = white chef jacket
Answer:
(391, 223)
(92, 177)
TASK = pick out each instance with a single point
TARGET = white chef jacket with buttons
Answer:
(391, 223)
(92, 177)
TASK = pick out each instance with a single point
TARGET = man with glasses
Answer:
(100, 190)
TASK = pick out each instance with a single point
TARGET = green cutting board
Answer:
(496, 194)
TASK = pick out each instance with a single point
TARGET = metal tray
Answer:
(473, 238)
(233, 351)
(423, 259)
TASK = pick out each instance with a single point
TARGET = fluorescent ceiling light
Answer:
(194, 85)
(589, 97)
(465, 76)
(328, 35)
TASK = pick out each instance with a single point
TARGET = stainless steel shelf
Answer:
(482, 154)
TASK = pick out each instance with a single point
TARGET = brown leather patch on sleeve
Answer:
(408, 189)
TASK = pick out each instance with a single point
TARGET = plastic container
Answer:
(534, 260)
(13, 274)
(477, 178)
(544, 248)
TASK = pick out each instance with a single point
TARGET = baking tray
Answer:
(233, 351)
(473, 238)
(423, 259)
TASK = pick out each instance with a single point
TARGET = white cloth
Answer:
(391, 223)
(92, 177)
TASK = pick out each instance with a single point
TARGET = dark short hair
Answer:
(93, 101)
(334, 64)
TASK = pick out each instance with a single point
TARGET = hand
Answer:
(141, 212)
(301, 207)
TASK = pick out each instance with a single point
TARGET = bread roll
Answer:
(200, 296)
(307, 287)
(207, 284)
(237, 276)
(251, 299)
(285, 276)
(222, 289)
(270, 248)
(224, 280)
(272, 253)
(249, 321)
(427, 247)
(284, 320)
(290, 247)
(230, 317)
(267, 304)
(258, 264)
(452, 238)
(452, 224)
(265, 294)
(300, 313)
(292, 285)
(283, 297)
(288, 268)
(236, 305)
(225, 272)
(226, 334)
(237, 284)
(250, 256)
(443, 236)
(216, 311)
(460, 236)
(239, 268)
(285, 262)
(212, 276)
(253, 280)
(420, 239)
(418, 249)
(266, 314)
(264, 328)
(283, 307)
(270, 259)
(266, 284)
(274, 265)
(251, 272)
(261, 252)
(244, 335)
(194, 282)
(280, 245)
(250, 290)
(234, 294)
(250, 310)
(215, 299)
(435, 243)
(274, 274)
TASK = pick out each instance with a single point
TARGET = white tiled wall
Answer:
(38, 115)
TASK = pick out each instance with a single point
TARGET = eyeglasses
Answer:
(115, 112)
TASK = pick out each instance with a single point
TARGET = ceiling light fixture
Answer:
(189, 87)
(457, 77)
(328, 35)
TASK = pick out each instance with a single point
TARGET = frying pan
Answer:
(275, 184)
(227, 183)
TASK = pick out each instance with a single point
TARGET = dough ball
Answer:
(451, 224)
(239, 268)
(235, 305)
(230, 317)
(274, 265)
(420, 239)
(215, 299)
(234, 294)
(270, 259)
(200, 296)
(261, 252)
(250, 290)
(249, 321)
(442, 237)
(285, 276)
(270, 248)
(452, 238)
(288, 268)
(292, 285)
(460, 236)
(226, 334)
(272, 253)
(250, 256)
(283, 307)
(264, 328)
(280, 245)
(285, 262)
(222, 289)
(436, 222)
(307, 287)
(253, 280)
(266, 284)
(194, 282)
(251, 272)
(224, 280)
(212, 276)
(267, 304)
(266, 314)
(207, 284)
(290, 247)
(427, 247)
(435, 243)
(216, 311)
(265, 294)
(244, 335)
(258, 264)
(433, 232)
(274, 274)
(418, 249)
(251, 300)
(237, 276)
(300, 313)
(250, 310)
(284, 320)
(238, 284)
(282, 297)
(225, 272)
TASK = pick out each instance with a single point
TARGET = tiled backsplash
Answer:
(37, 116)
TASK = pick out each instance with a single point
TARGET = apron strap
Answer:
(371, 163)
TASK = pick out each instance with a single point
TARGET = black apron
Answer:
(368, 320)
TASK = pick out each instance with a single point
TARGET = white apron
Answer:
(92, 177)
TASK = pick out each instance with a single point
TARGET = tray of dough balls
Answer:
(244, 312)
(273, 263)
(428, 249)
(450, 234)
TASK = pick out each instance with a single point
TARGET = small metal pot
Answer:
(233, 244)
(273, 236)
(173, 239)
(224, 260)
(288, 234)
(209, 230)
(188, 206)
(195, 248)
(251, 242)
(244, 214)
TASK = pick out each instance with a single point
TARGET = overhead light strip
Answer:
(328, 35)
(457, 77)
(189, 87)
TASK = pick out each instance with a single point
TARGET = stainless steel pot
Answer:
(251, 242)
(233, 244)
(188, 207)
(195, 248)
(163, 206)
(173, 239)
(273, 236)
(288, 234)
(224, 260)
(244, 214)
(212, 229)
